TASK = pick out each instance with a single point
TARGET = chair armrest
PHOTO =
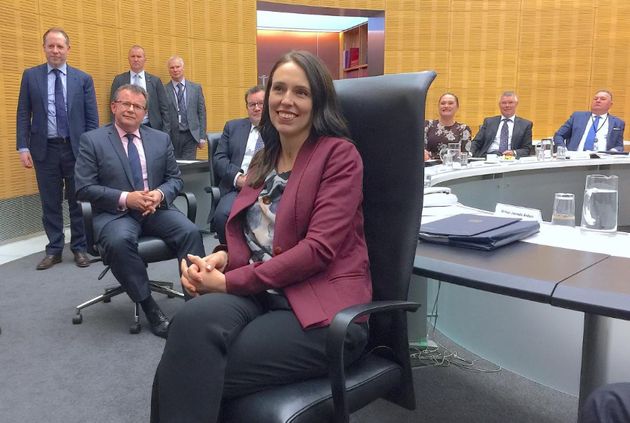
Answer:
(86, 210)
(191, 205)
(335, 346)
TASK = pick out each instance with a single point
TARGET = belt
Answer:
(59, 140)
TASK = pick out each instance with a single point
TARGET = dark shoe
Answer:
(49, 261)
(81, 259)
(158, 321)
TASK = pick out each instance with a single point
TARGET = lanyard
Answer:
(595, 128)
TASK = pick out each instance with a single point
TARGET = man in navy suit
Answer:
(157, 113)
(596, 130)
(57, 104)
(507, 134)
(238, 143)
(130, 176)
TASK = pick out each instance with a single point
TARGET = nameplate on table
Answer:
(525, 213)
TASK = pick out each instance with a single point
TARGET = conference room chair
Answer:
(213, 188)
(385, 115)
(152, 249)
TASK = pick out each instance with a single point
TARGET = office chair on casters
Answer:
(386, 118)
(152, 249)
(213, 188)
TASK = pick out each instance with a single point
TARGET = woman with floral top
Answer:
(440, 132)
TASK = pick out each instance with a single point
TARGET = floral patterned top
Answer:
(260, 218)
(437, 136)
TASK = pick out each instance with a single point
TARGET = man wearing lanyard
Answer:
(187, 111)
(57, 103)
(596, 130)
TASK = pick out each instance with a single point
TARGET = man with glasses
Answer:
(128, 172)
(238, 144)
(187, 111)
(57, 103)
(157, 108)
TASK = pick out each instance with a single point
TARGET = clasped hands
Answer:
(145, 201)
(204, 275)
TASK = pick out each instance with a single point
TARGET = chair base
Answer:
(165, 288)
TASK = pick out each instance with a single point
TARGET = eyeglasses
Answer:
(252, 105)
(128, 105)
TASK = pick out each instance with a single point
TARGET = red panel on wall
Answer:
(273, 44)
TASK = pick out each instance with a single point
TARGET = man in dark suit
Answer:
(129, 174)
(594, 130)
(57, 103)
(157, 114)
(238, 143)
(507, 134)
(187, 111)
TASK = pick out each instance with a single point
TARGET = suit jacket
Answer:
(157, 105)
(521, 136)
(573, 130)
(102, 171)
(320, 255)
(32, 110)
(195, 109)
(228, 156)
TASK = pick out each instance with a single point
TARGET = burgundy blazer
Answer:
(320, 255)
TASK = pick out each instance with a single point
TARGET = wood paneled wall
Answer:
(553, 53)
(216, 38)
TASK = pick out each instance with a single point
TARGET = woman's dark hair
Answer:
(326, 115)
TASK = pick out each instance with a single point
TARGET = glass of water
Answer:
(601, 203)
(563, 209)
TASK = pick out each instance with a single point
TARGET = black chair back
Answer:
(386, 119)
(213, 142)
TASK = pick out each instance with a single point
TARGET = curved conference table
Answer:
(538, 339)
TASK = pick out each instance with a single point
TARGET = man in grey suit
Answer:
(57, 103)
(507, 134)
(238, 143)
(186, 110)
(129, 174)
(157, 114)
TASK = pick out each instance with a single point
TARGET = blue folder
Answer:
(481, 232)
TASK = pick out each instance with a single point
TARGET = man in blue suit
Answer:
(57, 104)
(596, 130)
(129, 174)
(238, 143)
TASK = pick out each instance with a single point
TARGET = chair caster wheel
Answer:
(77, 320)
(107, 300)
(135, 328)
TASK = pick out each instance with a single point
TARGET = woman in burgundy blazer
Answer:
(295, 256)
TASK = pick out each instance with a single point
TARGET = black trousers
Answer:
(119, 239)
(222, 212)
(607, 404)
(222, 346)
(55, 174)
(184, 145)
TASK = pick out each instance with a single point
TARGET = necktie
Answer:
(60, 107)
(259, 144)
(134, 163)
(503, 136)
(136, 79)
(181, 105)
(592, 133)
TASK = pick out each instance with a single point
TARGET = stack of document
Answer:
(480, 232)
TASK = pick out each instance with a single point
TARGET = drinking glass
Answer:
(561, 152)
(563, 209)
(454, 149)
(540, 152)
(600, 207)
(463, 159)
(546, 145)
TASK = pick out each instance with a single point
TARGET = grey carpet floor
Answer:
(97, 372)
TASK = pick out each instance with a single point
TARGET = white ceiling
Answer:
(302, 22)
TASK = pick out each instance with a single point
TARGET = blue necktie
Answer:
(134, 163)
(60, 107)
(259, 144)
(503, 136)
(592, 133)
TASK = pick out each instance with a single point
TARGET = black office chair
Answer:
(152, 249)
(386, 117)
(213, 188)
